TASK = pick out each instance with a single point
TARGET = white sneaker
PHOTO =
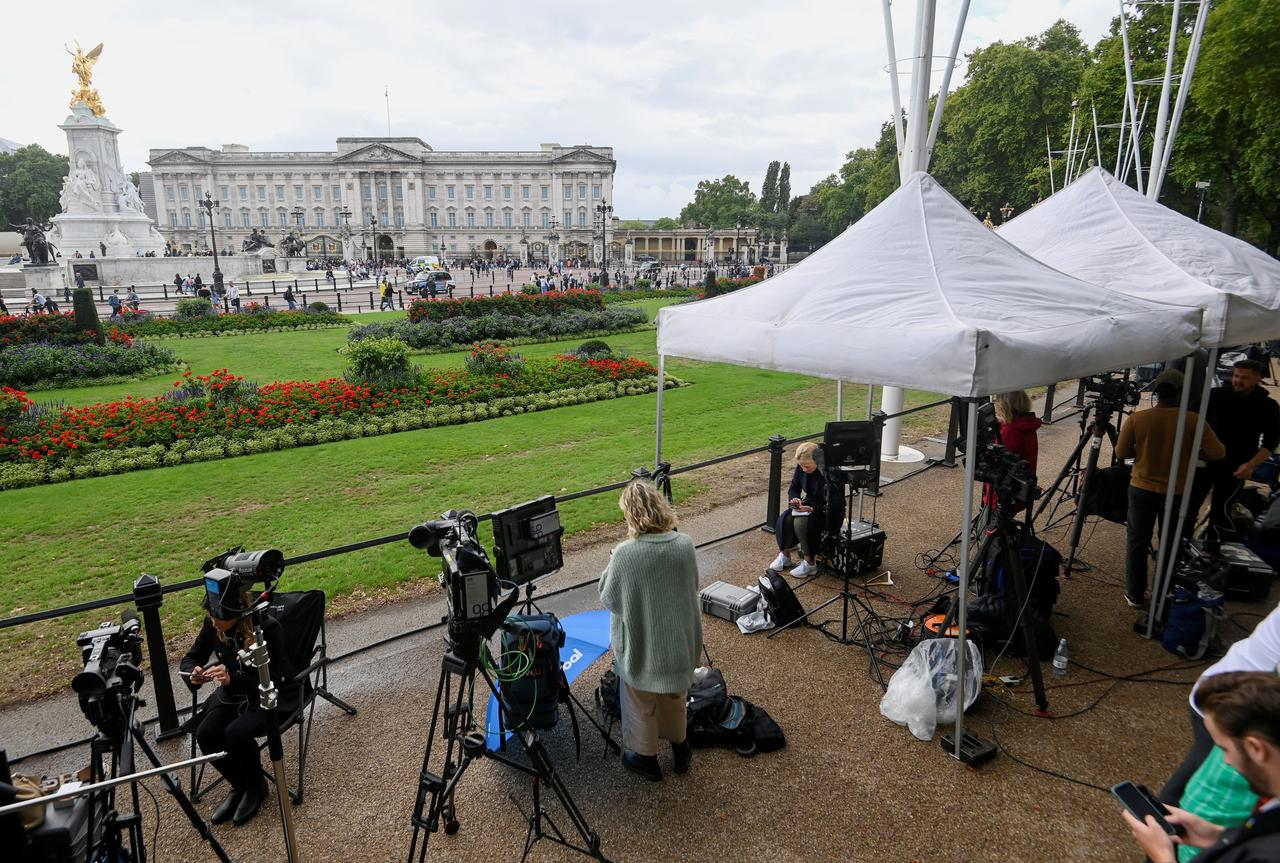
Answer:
(804, 569)
(779, 562)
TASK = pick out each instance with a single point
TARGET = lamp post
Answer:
(210, 205)
(298, 214)
(710, 250)
(1203, 187)
(373, 239)
(553, 240)
(605, 212)
(1006, 213)
(737, 254)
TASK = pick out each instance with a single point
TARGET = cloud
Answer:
(682, 92)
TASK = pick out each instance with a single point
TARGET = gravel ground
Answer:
(849, 786)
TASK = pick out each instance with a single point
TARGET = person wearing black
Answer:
(1242, 715)
(801, 524)
(1247, 421)
(228, 720)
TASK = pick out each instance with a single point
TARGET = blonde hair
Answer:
(243, 627)
(1011, 405)
(807, 451)
(645, 509)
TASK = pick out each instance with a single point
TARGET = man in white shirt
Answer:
(233, 296)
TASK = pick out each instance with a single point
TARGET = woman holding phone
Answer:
(229, 720)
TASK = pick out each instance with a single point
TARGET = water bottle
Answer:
(1060, 659)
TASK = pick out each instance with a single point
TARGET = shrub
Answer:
(493, 358)
(531, 289)
(59, 329)
(250, 320)
(41, 363)
(318, 308)
(518, 304)
(429, 335)
(643, 284)
(13, 404)
(593, 349)
(709, 286)
(85, 314)
(193, 308)
(382, 361)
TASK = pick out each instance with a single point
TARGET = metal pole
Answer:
(82, 790)
(662, 361)
(839, 400)
(1071, 143)
(1156, 178)
(1133, 102)
(1097, 144)
(1124, 116)
(893, 77)
(917, 128)
(946, 82)
(1048, 146)
(1168, 531)
(970, 461)
(1184, 87)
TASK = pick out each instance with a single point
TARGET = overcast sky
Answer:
(682, 91)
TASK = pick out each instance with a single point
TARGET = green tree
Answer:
(868, 176)
(721, 203)
(769, 192)
(808, 230)
(633, 225)
(784, 188)
(30, 182)
(666, 223)
(136, 179)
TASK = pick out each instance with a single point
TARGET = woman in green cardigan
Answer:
(651, 588)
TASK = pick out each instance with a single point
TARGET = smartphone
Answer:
(1140, 802)
(184, 673)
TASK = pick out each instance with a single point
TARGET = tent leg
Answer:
(662, 380)
(839, 400)
(970, 464)
(1168, 531)
(871, 395)
(1165, 577)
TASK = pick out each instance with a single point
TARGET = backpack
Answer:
(1109, 496)
(609, 695)
(779, 599)
(532, 700)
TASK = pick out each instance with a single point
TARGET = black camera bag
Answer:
(531, 701)
(779, 599)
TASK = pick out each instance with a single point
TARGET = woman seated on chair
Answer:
(800, 525)
(651, 589)
(229, 720)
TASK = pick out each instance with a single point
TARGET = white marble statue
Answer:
(127, 197)
(117, 243)
(80, 187)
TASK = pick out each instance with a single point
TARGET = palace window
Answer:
(400, 218)
(431, 193)
(224, 192)
(449, 192)
(546, 193)
(201, 215)
(244, 218)
(506, 218)
(582, 218)
(453, 219)
(568, 218)
(337, 193)
(434, 220)
(244, 193)
(568, 191)
(365, 192)
(283, 217)
(595, 190)
(302, 220)
(399, 192)
(265, 218)
(471, 219)
(279, 193)
(319, 218)
(488, 193)
(226, 220)
(506, 193)
(168, 193)
(297, 193)
(582, 190)
(262, 193)
(317, 193)
(488, 218)
(524, 218)
(524, 193)
(183, 191)
(382, 193)
(546, 219)
(173, 219)
(471, 193)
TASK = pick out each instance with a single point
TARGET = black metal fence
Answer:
(148, 593)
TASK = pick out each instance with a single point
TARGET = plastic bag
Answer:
(756, 621)
(923, 691)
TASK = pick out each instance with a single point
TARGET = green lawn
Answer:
(86, 538)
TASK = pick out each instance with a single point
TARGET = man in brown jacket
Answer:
(1148, 438)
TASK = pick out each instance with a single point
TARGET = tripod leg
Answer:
(1016, 578)
(184, 802)
(1077, 526)
(1072, 464)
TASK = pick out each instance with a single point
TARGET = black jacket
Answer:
(244, 680)
(1255, 841)
(1243, 423)
(809, 487)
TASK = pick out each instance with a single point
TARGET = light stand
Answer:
(211, 206)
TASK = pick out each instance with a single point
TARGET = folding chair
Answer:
(301, 616)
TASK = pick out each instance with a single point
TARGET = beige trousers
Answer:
(647, 716)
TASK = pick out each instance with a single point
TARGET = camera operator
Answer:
(1018, 434)
(1247, 421)
(651, 588)
(1148, 438)
(1242, 714)
(229, 720)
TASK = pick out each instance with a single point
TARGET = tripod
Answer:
(104, 801)
(465, 743)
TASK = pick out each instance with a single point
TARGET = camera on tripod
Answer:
(232, 574)
(112, 656)
(1009, 474)
(1113, 392)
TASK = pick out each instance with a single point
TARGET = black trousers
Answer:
(1221, 481)
(1201, 746)
(233, 726)
(1146, 509)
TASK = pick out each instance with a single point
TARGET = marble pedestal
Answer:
(45, 278)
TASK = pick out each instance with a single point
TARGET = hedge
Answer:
(518, 305)
(244, 322)
(428, 334)
(45, 366)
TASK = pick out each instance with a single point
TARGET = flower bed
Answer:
(515, 304)
(623, 296)
(221, 415)
(59, 329)
(39, 365)
(254, 319)
(425, 334)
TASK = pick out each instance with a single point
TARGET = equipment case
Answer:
(1250, 576)
(728, 601)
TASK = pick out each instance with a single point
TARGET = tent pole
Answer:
(893, 81)
(946, 83)
(917, 124)
(839, 400)
(662, 379)
(1071, 146)
(1164, 578)
(1124, 118)
(1184, 87)
(970, 463)
(1129, 97)
(1048, 146)
(1097, 142)
(1167, 528)
(871, 394)
(1155, 177)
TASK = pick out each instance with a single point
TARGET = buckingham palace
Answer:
(397, 195)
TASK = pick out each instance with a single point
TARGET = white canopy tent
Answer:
(1105, 233)
(920, 294)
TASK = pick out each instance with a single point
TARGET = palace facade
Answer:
(395, 195)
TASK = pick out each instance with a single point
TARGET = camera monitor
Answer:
(851, 453)
(988, 429)
(526, 540)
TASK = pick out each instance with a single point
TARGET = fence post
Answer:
(1080, 394)
(148, 599)
(776, 445)
(165, 288)
(1047, 415)
(273, 286)
(101, 298)
(226, 306)
(401, 293)
(266, 302)
(371, 300)
(339, 294)
(953, 432)
(316, 284)
(473, 292)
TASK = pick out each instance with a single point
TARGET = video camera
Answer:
(112, 656)
(1113, 392)
(1010, 475)
(232, 574)
(471, 585)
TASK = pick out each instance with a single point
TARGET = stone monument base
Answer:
(45, 278)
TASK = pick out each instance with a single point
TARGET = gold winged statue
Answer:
(82, 66)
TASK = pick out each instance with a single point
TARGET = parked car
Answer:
(431, 283)
(650, 267)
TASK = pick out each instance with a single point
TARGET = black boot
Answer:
(683, 754)
(250, 803)
(643, 765)
(228, 805)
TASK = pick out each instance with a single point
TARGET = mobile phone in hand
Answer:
(1140, 802)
